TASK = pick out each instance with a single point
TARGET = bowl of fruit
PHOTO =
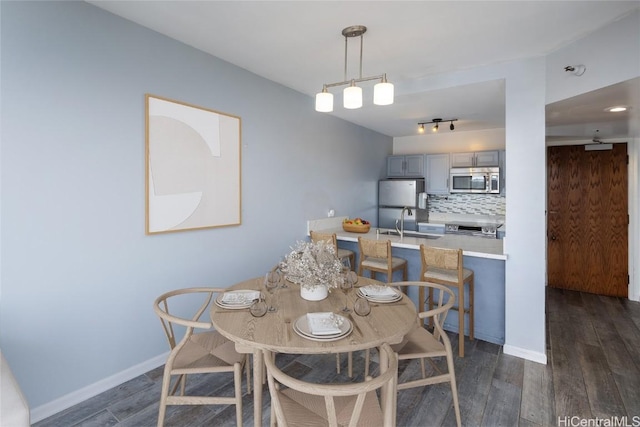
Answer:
(357, 225)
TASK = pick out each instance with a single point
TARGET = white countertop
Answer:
(479, 247)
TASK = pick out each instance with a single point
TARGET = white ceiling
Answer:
(299, 45)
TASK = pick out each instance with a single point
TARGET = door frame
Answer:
(633, 171)
(633, 178)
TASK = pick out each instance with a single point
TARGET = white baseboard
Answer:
(523, 353)
(60, 404)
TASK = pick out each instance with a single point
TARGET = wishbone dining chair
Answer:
(341, 254)
(296, 402)
(205, 352)
(421, 343)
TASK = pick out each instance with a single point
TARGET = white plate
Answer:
(244, 299)
(381, 300)
(301, 327)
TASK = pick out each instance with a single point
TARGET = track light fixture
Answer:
(436, 125)
(352, 95)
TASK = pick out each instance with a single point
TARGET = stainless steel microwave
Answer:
(475, 180)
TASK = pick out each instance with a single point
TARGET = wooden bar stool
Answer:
(375, 256)
(444, 266)
(332, 239)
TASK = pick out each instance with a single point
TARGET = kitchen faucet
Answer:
(409, 213)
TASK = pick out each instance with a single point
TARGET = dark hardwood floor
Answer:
(593, 370)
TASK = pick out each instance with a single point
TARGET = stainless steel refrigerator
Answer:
(396, 194)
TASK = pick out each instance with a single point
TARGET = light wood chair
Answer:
(332, 239)
(444, 266)
(299, 403)
(196, 353)
(375, 256)
(341, 254)
(423, 344)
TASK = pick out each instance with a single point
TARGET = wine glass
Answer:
(271, 282)
(346, 264)
(258, 308)
(346, 285)
(353, 277)
(282, 277)
(362, 306)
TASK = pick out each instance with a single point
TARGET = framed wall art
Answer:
(192, 167)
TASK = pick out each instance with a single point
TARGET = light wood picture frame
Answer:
(193, 167)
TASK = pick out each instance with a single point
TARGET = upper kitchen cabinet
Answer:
(437, 173)
(405, 166)
(477, 159)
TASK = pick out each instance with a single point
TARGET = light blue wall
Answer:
(78, 273)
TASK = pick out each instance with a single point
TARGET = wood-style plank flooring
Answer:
(593, 370)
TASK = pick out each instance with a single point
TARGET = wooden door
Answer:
(587, 219)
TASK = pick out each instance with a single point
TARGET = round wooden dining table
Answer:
(386, 323)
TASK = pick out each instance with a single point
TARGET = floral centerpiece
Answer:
(315, 267)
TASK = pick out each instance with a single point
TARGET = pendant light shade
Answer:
(383, 92)
(324, 101)
(352, 97)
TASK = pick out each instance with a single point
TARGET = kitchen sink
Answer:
(410, 234)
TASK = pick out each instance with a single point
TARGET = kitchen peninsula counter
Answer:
(484, 256)
(479, 247)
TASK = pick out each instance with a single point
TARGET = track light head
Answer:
(436, 126)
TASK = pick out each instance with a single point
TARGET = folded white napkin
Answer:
(378, 291)
(323, 323)
(240, 297)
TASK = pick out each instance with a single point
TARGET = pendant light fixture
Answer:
(436, 125)
(352, 95)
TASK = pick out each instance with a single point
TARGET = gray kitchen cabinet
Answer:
(437, 173)
(475, 159)
(405, 166)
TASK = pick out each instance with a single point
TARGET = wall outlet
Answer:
(331, 213)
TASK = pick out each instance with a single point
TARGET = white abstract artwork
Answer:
(193, 167)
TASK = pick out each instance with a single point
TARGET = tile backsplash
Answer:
(482, 204)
